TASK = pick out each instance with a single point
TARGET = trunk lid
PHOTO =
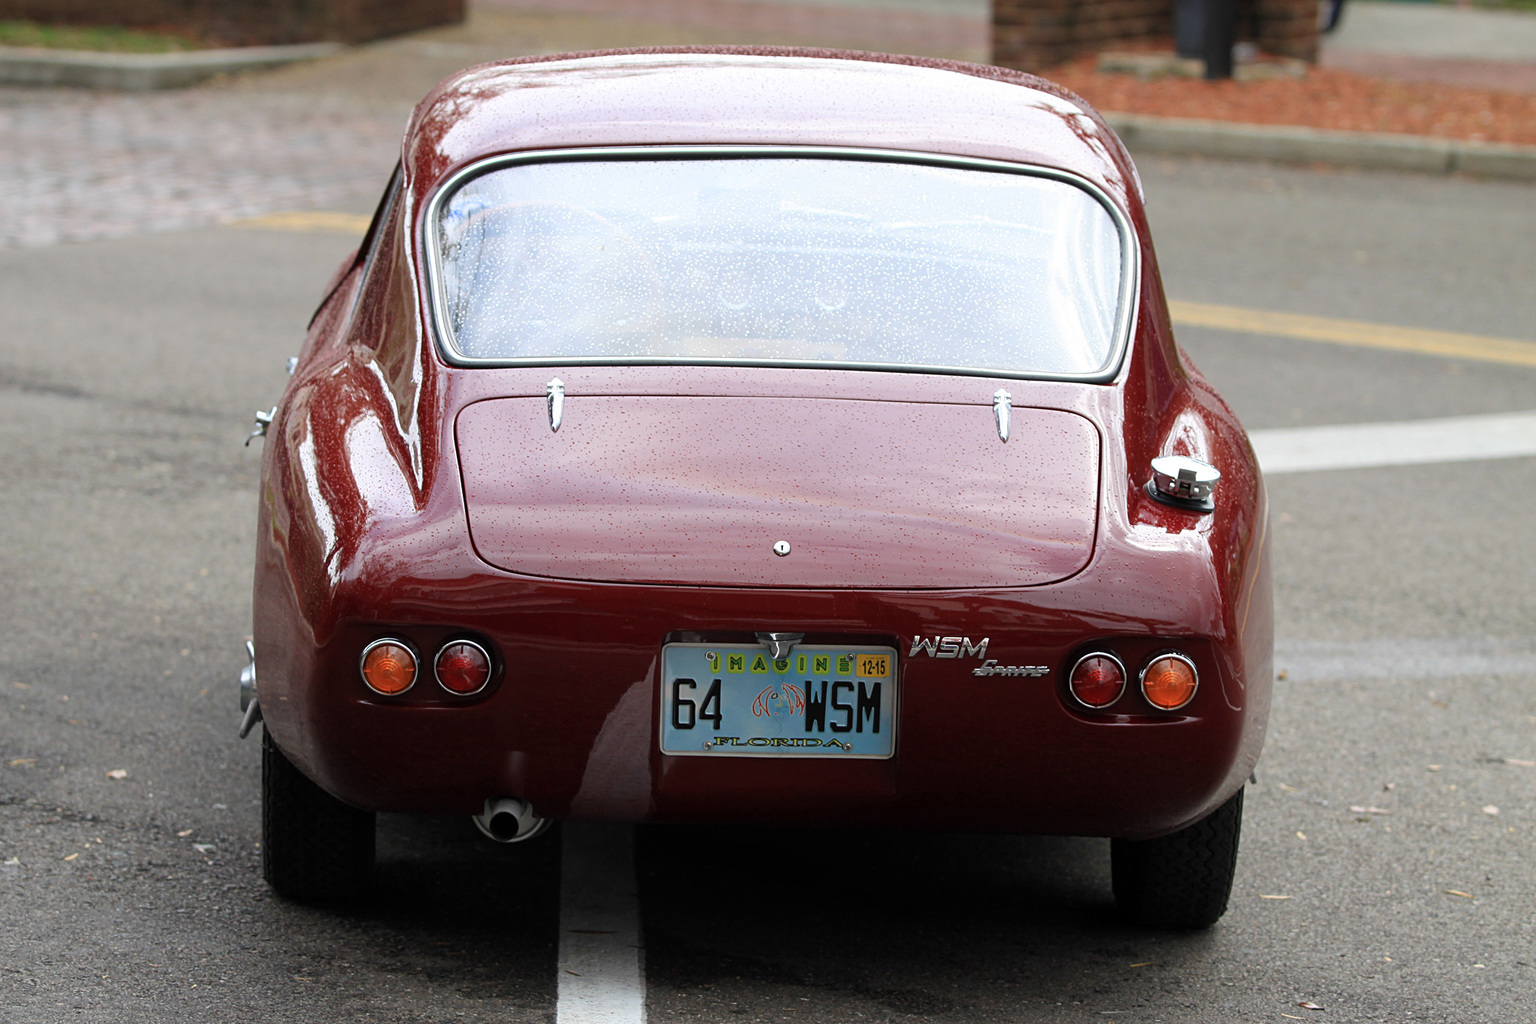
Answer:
(697, 491)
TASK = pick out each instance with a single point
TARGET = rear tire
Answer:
(314, 848)
(1181, 880)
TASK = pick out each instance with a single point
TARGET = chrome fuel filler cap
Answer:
(1183, 482)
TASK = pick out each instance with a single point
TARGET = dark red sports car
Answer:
(777, 436)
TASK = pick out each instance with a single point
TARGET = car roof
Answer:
(760, 96)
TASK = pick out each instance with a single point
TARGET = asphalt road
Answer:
(128, 372)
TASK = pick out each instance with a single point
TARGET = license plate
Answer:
(821, 701)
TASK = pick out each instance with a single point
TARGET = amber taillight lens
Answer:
(463, 667)
(389, 667)
(1097, 680)
(1169, 681)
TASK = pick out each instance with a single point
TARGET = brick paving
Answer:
(81, 166)
(959, 28)
(77, 166)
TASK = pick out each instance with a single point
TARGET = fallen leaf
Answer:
(1519, 763)
(1309, 1006)
(203, 847)
(183, 833)
(1289, 789)
(1283, 674)
(72, 856)
(1292, 1016)
(1302, 836)
(1434, 767)
(1490, 809)
(1144, 963)
(1272, 897)
(1370, 810)
(118, 773)
(22, 761)
(1458, 892)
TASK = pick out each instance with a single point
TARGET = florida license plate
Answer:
(821, 701)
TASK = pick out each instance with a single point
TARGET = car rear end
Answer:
(781, 482)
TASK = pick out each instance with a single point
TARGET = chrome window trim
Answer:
(1130, 254)
(362, 659)
(489, 663)
(1141, 680)
(1124, 680)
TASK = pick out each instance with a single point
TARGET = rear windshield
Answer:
(820, 261)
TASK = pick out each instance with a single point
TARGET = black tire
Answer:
(314, 848)
(1180, 880)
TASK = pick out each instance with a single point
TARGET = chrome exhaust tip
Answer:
(248, 677)
(509, 820)
(248, 702)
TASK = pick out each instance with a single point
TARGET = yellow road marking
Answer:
(308, 220)
(1354, 332)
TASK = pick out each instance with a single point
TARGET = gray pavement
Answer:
(131, 359)
(1435, 30)
(1474, 48)
(129, 367)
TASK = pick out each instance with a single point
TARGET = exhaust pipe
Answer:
(248, 702)
(509, 820)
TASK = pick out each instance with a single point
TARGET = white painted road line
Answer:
(601, 969)
(1320, 661)
(1418, 442)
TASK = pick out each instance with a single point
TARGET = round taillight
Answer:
(463, 667)
(1169, 681)
(389, 667)
(1097, 680)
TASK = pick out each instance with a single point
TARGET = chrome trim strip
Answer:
(1124, 679)
(489, 661)
(1130, 253)
(1141, 680)
(415, 656)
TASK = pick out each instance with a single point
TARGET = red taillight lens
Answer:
(463, 666)
(1169, 681)
(389, 667)
(1098, 680)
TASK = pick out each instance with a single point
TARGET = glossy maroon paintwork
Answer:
(665, 489)
(364, 531)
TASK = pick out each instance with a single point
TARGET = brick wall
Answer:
(1037, 34)
(1287, 28)
(249, 22)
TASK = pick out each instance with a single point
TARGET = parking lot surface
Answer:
(1386, 872)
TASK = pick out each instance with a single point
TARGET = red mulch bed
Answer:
(1325, 98)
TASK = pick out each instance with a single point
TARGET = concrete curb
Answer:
(1189, 137)
(143, 71)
